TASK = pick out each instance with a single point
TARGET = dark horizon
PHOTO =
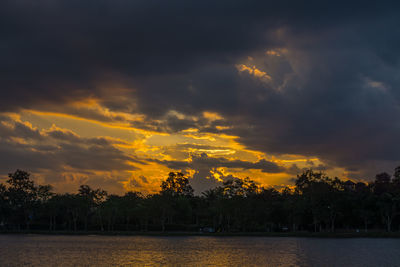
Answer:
(316, 204)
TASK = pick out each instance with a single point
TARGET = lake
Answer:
(42, 250)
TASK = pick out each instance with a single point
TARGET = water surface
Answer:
(41, 250)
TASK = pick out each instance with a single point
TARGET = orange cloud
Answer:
(253, 71)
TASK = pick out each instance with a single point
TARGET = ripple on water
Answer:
(37, 250)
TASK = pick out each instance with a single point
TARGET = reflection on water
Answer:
(35, 250)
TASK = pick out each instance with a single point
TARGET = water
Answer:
(37, 250)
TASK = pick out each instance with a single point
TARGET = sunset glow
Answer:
(117, 100)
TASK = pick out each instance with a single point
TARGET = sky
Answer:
(116, 94)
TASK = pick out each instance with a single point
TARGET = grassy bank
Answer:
(253, 234)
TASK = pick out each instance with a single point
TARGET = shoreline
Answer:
(227, 234)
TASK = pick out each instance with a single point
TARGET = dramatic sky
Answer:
(116, 94)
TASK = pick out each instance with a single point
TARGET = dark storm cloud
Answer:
(295, 170)
(57, 50)
(211, 162)
(334, 94)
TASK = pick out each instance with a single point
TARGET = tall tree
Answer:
(92, 198)
(176, 185)
(22, 195)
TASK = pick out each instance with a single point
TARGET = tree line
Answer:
(315, 203)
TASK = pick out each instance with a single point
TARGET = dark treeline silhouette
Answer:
(316, 203)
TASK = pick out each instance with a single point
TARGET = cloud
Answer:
(211, 162)
(333, 92)
(54, 152)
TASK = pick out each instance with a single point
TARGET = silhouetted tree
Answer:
(22, 195)
(316, 202)
(176, 185)
(91, 199)
(4, 206)
(132, 209)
